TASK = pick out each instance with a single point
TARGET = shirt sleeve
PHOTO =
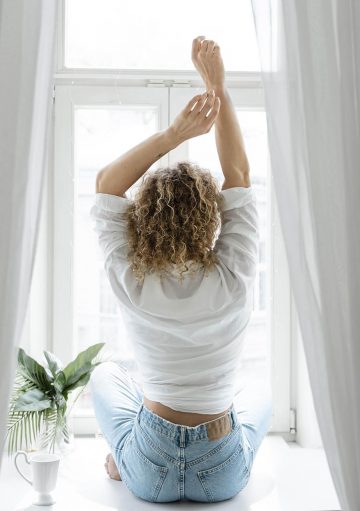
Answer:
(110, 225)
(238, 243)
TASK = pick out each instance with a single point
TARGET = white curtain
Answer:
(310, 62)
(27, 35)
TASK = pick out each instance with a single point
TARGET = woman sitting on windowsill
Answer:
(186, 300)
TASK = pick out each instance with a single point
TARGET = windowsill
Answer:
(283, 477)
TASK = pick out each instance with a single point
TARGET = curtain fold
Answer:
(27, 37)
(310, 55)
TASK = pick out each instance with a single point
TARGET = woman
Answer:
(186, 300)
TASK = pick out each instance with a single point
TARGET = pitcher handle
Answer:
(17, 468)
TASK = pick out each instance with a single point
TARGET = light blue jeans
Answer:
(160, 461)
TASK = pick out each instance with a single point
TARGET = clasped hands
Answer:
(200, 113)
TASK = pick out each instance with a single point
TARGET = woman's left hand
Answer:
(193, 120)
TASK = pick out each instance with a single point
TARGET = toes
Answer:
(111, 468)
(115, 476)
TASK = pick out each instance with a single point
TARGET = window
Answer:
(98, 117)
(107, 37)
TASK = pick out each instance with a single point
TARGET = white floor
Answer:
(285, 477)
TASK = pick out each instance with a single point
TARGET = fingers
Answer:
(193, 102)
(203, 47)
(197, 102)
(200, 103)
(203, 103)
(196, 46)
(208, 47)
(208, 104)
(200, 106)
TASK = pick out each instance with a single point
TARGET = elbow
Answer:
(98, 179)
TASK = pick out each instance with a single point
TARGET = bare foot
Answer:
(111, 468)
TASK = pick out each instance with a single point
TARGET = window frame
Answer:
(132, 76)
(283, 319)
(69, 97)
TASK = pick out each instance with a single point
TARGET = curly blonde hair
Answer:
(173, 220)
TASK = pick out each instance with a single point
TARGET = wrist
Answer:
(219, 88)
(173, 137)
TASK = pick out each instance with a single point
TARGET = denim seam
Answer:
(215, 450)
(202, 473)
(159, 451)
(196, 461)
(163, 471)
(208, 494)
(153, 466)
(113, 446)
(231, 458)
(126, 441)
(160, 430)
(153, 423)
(160, 483)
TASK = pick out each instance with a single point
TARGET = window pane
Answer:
(101, 135)
(157, 34)
(255, 362)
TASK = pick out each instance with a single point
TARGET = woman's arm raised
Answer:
(230, 146)
(119, 175)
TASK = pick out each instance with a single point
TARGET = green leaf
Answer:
(60, 401)
(26, 423)
(19, 424)
(49, 420)
(81, 381)
(60, 381)
(53, 362)
(32, 400)
(33, 371)
(82, 364)
(53, 422)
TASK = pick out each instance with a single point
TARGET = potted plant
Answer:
(38, 409)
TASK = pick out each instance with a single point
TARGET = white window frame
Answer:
(69, 97)
(246, 89)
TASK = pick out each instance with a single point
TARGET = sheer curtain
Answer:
(27, 34)
(310, 55)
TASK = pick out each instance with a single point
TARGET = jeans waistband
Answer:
(211, 430)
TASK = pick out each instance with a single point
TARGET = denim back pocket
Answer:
(225, 480)
(142, 477)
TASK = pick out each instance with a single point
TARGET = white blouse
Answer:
(187, 338)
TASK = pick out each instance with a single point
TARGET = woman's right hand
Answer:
(196, 118)
(207, 59)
